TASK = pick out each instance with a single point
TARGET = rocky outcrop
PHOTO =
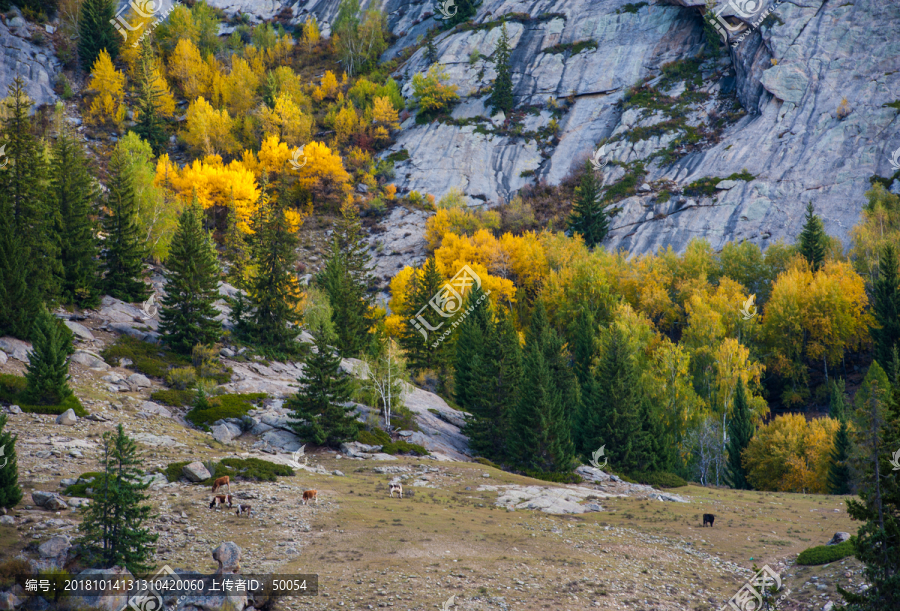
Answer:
(20, 56)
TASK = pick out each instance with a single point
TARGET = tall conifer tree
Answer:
(424, 285)
(740, 431)
(74, 195)
(150, 125)
(96, 31)
(48, 367)
(588, 217)
(187, 315)
(471, 360)
(10, 491)
(122, 250)
(813, 241)
(502, 90)
(886, 305)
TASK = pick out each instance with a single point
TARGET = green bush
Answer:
(559, 478)
(823, 554)
(375, 437)
(174, 470)
(12, 390)
(175, 398)
(91, 480)
(181, 378)
(246, 468)
(484, 461)
(224, 406)
(404, 447)
(659, 479)
(149, 359)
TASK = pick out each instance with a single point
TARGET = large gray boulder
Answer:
(67, 418)
(839, 538)
(88, 359)
(79, 330)
(196, 472)
(15, 348)
(225, 432)
(228, 555)
(48, 500)
(55, 547)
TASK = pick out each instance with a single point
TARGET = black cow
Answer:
(708, 518)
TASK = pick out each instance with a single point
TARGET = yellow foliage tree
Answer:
(790, 454)
(107, 106)
(215, 184)
(239, 86)
(328, 88)
(311, 33)
(209, 130)
(190, 72)
(431, 92)
(324, 176)
(384, 118)
(346, 123)
(286, 121)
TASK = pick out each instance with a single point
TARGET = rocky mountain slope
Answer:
(767, 110)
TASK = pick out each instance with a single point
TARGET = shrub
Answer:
(823, 554)
(206, 360)
(659, 479)
(375, 437)
(484, 461)
(175, 398)
(224, 406)
(173, 471)
(12, 390)
(559, 478)
(245, 468)
(91, 480)
(149, 359)
(404, 447)
(181, 378)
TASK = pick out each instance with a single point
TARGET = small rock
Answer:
(725, 185)
(14, 409)
(54, 547)
(645, 188)
(67, 418)
(405, 433)
(226, 352)
(76, 454)
(49, 28)
(3, 358)
(48, 500)
(338, 473)
(196, 472)
(839, 537)
(828, 606)
(485, 475)
(7, 521)
(149, 407)
(88, 359)
(79, 330)
(67, 481)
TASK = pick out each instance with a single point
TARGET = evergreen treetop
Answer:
(813, 241)
(588, 218)
(150, 125)
(96, 31)
(48, 367)
(886, 305)
(740, 431)
(502, 90)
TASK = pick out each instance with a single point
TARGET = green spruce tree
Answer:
(465, 10)
(235, 249)
(150, 125)
(840, 474)
(97, 32)
(588, 218)
(886, 305)
(113, 525)
(470, 362)
(431, 53)
(584, 351)
(813, 241)
(25, 207)
(48, 368)
(74, 195)
(321, 409)
(540, 428)
(740, 431)
(19, 300)
(122, 250)
(420, 354)
(10, 491)
(502, 90)
(274, 293)
(187, 315)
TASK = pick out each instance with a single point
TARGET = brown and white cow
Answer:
(222, 481)
(310, 495)
(221, 499)
(244, 509)
(396, 487)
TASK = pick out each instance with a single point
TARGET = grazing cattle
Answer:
(222, 481)
(708, 518)
(396, 487)
(245, 509)
(310, 495)
(221, 499)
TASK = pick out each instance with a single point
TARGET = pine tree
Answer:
(837, 400)
(471, 360)
(122, 250)
(886, 305)
(878, 539)
(74, 195)
(740, 431)
(584, 352)
(187, 315)
(540, 428)
(813, 239)
(96, 31)
(24, 201)
(502, 90)
(48, 368)
(235, 249)
(588, 217)
(19, 299)
(10, 491)
(149, 124)
(423, 287)
(431, 54)
(840, 477)
(345, 278)
(321, 412)
(113, 531)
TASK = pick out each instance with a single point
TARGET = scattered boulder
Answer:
(228, 555)
(79, 330)
(88, 359)
(7, 521)
(14, 409)
(282, 440)
(67, 418)
(55, 547)
(48, 500)
(149, 407)
(196, 472)
(157, 440)
(354, 449)
(225, 432)
(3, 358)
(838, 538)
(15, 348)
(338, 473)
(138, 380)
(111, 598)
